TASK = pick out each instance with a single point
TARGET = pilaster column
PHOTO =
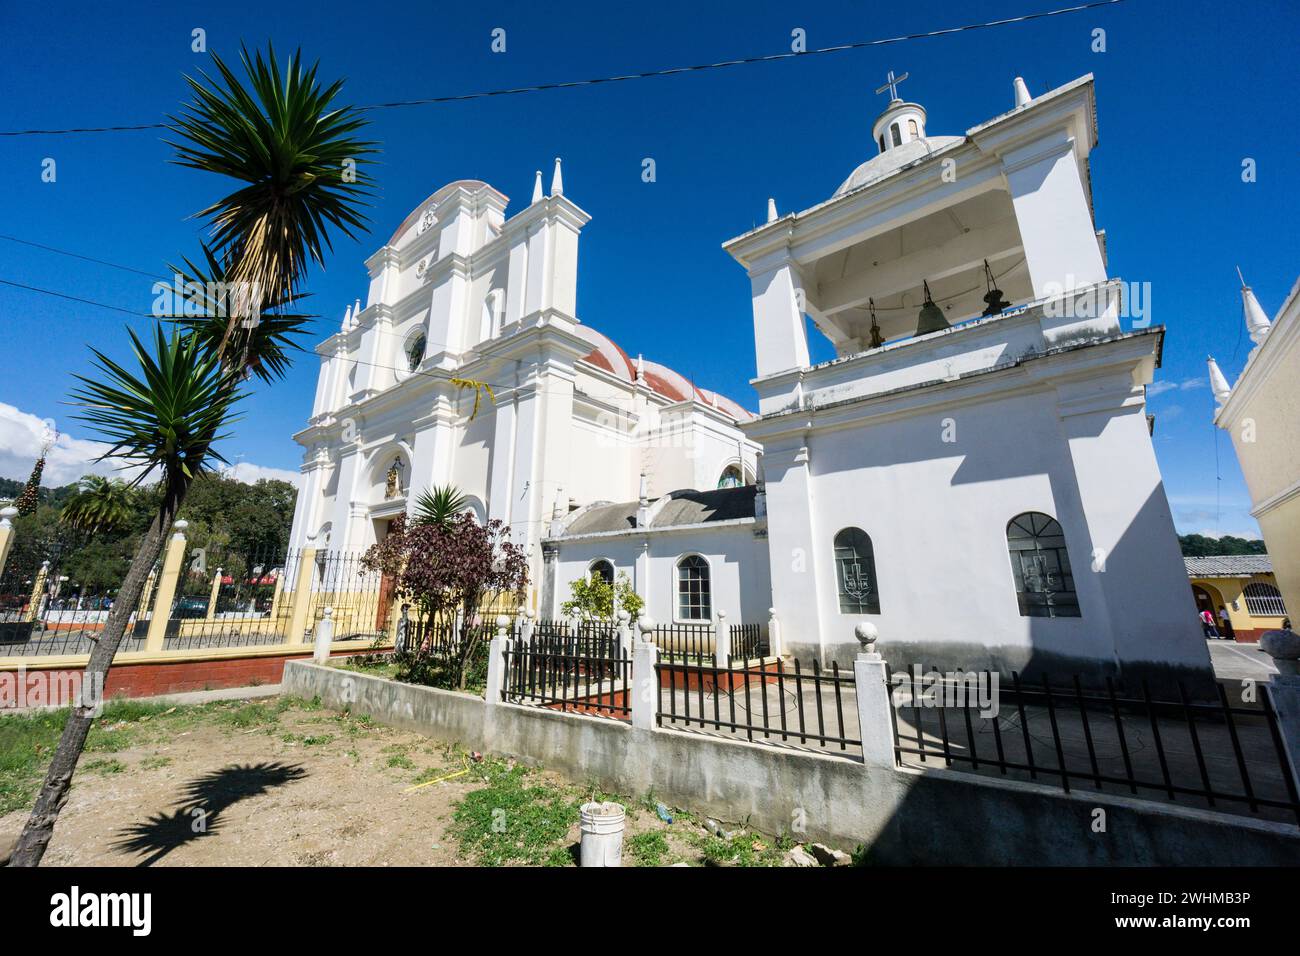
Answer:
(7, 514)
(168, 577)
(780, 333)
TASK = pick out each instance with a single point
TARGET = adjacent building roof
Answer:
(1228, 565)
(681, 508)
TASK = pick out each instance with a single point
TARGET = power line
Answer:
(671, 71)
(74, 298)
(77, 255)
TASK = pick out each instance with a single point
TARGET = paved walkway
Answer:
(1237, 662)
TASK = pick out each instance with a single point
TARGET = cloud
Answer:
(248, 472)
(1164, 385)
(22, 435)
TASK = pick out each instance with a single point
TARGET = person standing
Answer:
(1207, 623)
(1225, 625)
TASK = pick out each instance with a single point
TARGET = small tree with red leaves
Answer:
(446, 567)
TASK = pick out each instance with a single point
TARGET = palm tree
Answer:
(99, 504)
(295, 152)
(163, 418)
(439, 505)
(302, 168)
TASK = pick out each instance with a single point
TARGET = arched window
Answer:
(415, 351)
(694, 600)
(895, 136)
(913, 131)
(1041, 566)
(731, 477)
(601, 569)
(855, 573)
(882, 142)
(1264, 600)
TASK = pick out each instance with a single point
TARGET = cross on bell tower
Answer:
(891, 84)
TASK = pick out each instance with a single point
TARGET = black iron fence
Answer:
(550, 671)
(685, 643)
(768, 701)
(1210, 753)
(747, 640)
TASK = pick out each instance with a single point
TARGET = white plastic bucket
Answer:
(602, 834)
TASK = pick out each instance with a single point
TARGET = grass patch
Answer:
(155, 762)
(649, 849)
(401, 761)
(514, 819)
(110, 765)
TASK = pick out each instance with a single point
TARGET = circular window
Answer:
(415, 351)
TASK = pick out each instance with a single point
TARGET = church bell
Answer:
(931, 318)
(994, 303)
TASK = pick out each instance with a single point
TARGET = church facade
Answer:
(972, 473)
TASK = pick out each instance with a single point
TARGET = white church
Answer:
(973, 472)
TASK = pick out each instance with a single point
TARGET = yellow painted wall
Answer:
(1232, 591)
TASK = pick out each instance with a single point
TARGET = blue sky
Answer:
(1184, 91)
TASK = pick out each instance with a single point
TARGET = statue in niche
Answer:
(393, 486)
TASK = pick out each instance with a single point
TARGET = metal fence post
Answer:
(721, 641)
(324, 637)
(7, 514)
(496, 675)
(875, 721)
(301, 597)
(165, 593)
(645, 679)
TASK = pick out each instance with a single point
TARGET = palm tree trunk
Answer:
(53, 794)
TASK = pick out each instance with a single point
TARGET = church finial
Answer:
(771, 210)
(640, 367)
(356, 313)
(643, 493)
(1257, 323)
(1218, 384)
(1022, 91)
(891, 84)
(347, 319)
(557, 512)
(557, 180)
(537, 187)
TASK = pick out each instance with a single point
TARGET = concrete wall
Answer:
(906, 817)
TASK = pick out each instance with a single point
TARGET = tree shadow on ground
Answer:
(199, 812)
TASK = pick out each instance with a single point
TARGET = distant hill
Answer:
(1200, 546)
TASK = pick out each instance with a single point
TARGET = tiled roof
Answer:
(1228, 565)
(683, 508)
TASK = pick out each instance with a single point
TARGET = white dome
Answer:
(894, 159)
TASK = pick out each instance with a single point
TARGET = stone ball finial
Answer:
(329, 613)
(503, 621)
(624, 615)
(180, 525)
(867, 635)
(646, 624)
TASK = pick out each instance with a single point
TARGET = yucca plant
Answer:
(439, 505)
(303, 172)
(162, 418)
(99, 504)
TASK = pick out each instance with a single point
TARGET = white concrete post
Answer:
(774, 647)
(324, 637)
(526, 629)
(1284, 691)
(496, 675)
(645, 680)
(7, 514)
(875, 722)
(721, 641)
(625, 632)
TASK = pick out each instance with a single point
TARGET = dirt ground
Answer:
(285, 783)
